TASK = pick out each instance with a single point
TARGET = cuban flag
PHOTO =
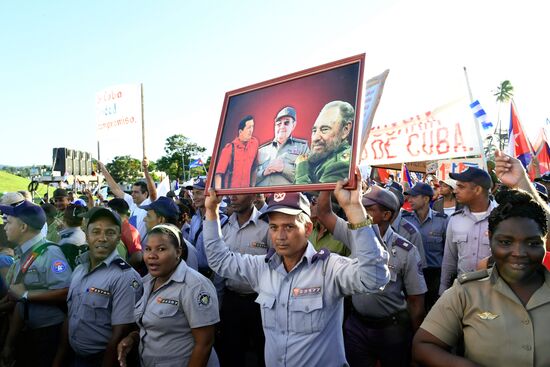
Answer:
(196, 163)
(480, 116)
(518, 145)
(405, 175)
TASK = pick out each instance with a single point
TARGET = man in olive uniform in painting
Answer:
(276, 158)
(330, 152)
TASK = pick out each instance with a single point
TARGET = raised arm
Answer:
(368, 272)
(150, 183)
(241, 267)
(110, 181)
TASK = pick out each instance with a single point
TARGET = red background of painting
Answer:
(307, 95)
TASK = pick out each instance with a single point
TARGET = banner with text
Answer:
(456, 166)
(446, 132)
(118, 119)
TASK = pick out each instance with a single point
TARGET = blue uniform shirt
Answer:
(302, 310)
(433, 230)
(99, 298)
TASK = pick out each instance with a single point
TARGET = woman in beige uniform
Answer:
(503, 313)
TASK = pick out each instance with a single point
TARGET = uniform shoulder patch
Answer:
(442, 215)
(122, 264)
(59, 266)
(322, 254)
(404, 244)
(409, 227)
(475, 275)
(204, 299)
(457, 212)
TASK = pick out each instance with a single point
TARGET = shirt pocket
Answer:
(459, 238)
(306, 314)
(267, 308)
(163, 310)
(96, 307)
(32, 278)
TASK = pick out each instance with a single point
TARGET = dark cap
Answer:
(164, 206)
(291, 203)
(380, 196)
(29, 213)
(420, 188)
(199, 183)
(171, 194)
(59, 193)
(543, 178)
(396, 185)
(541, 190)
(286, 112)
(398, 194)
(102, 212)
(475, 175)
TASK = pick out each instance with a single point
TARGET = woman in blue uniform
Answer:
(178, 310)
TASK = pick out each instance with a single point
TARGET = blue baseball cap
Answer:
(29, 213)
(164, 206)
(380, 196)
(475, 175)
(420, 188)
(199, 183)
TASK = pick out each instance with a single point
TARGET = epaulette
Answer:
(404, 244)
(475, 275)
(458, 212)
(269, 254)
(122, 264)
(409, 227)
(266, 144)
(66, 235)
(297, 140)
(322, 254)
(442, 215)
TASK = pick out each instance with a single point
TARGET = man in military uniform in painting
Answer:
(276, 159)
(330, 152)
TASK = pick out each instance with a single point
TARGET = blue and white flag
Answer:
(481, 116)
(196, 163)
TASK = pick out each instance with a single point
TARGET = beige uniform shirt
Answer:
(498, 330)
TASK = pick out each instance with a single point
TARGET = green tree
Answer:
(504, 93)
(178, 149)
(125, 169)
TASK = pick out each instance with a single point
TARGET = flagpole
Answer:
(142, 123)
(476, 124)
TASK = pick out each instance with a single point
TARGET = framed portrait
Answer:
(293, 133)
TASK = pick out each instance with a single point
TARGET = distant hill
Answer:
(10, 182)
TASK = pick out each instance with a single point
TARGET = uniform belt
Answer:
(399, 318)
(252, 296)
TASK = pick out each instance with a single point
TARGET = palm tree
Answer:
(504, 93)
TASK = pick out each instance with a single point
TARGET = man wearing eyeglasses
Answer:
(276, 159)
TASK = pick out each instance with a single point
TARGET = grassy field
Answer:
(9, 182)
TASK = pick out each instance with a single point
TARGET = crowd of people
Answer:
(443, 273)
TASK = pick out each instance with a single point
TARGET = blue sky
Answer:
(58, 54)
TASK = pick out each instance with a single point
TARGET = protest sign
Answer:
(119, 121)
(445, 167)
(445, 132)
